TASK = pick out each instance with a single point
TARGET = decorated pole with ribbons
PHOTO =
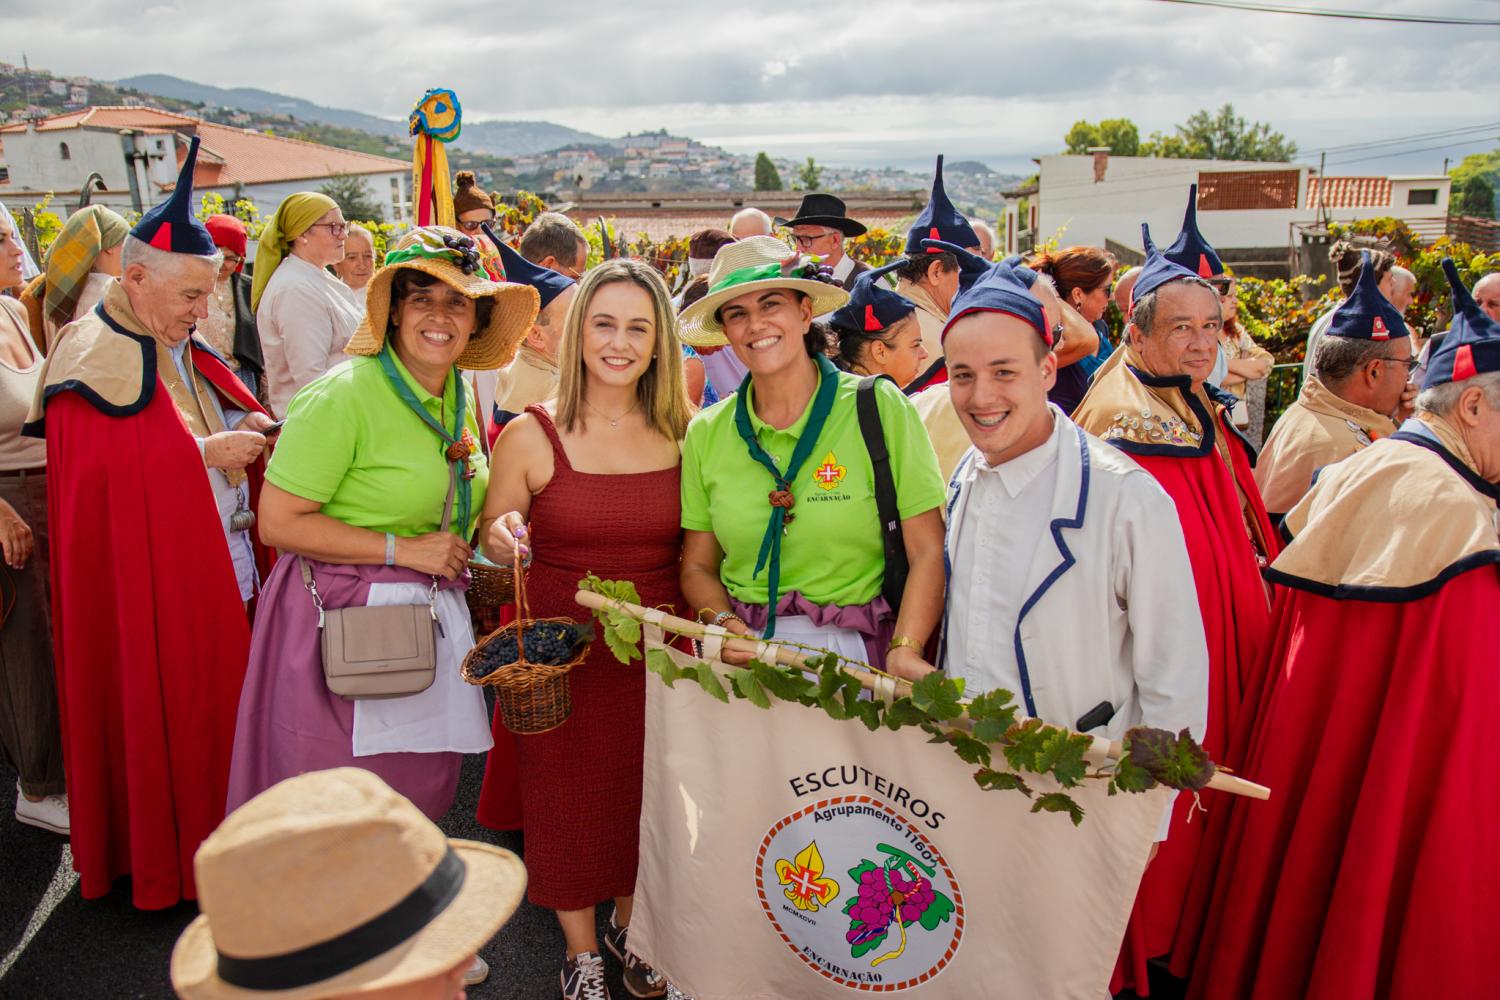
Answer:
(885, 687)
(434, 122)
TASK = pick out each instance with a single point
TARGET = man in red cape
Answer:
(1371, 872)
(1151, 401)
(148, 616)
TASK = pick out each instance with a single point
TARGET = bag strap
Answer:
(873, 432)
(452, 490)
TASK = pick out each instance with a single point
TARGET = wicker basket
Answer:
(532, 697)
(491, 587)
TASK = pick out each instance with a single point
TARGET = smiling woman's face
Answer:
(619, 333)
(433, 324)
(767, 329)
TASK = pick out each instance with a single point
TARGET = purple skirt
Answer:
(289, 722)
(874, 621)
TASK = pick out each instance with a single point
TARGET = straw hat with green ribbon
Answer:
(751, 265)
(451, 256)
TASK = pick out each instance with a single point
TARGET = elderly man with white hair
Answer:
(748, 222)
(153, 447)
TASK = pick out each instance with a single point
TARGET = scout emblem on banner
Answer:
(900, 909)
(434, 122)
(843, 859)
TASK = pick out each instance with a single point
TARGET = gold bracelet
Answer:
(903, 640)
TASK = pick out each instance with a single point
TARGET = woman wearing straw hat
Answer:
(378, 458)
(330, 885)
(783, 532)
(589, 482)
(305, 315)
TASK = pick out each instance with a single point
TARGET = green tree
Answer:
(1221, 135)
(353, 198)
(766, 177)
(810, 175)
(1475, 181)
(1119, 134)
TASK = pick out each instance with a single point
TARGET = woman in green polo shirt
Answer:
(782, 530)
(375, 486)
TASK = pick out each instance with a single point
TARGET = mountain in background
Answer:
(497, 138)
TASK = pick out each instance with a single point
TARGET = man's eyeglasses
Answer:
(1410, 363)
(804, 242)
(337, 229)
(472, 227)
(233, 258)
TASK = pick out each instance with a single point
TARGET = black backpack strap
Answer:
(870, 429)
(925, 379)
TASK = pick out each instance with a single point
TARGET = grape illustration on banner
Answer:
(896, 891)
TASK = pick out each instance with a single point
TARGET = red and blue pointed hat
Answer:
(172, 226)
(1190, 249)
(547, 282)
(987, 287)
(1367, 314)
(1158, 270)
(1472, 346)
(872, 306)
(939, 220)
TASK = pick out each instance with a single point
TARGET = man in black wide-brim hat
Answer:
(820, 228)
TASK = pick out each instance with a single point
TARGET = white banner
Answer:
(778, 847)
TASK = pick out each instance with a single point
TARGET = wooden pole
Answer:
(1103, 751)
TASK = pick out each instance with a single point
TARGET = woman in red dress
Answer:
(590, 483)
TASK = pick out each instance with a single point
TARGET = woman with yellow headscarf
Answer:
(77, 269)
(305, 315)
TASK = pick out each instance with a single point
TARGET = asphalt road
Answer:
(56, 945)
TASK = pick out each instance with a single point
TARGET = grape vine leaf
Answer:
(1062, 756)
(902, 713)
(750, 688)
(1175, 761)
(615, 590)
(1129, 777)
(1059, 802)
(969, 749)
(788, 685)
(622, 633)
(659, 663)
(709, 681)
(1024, 743)
(937, 912)
(939, 696)
(1001, 781)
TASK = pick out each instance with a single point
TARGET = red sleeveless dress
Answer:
(580, 784)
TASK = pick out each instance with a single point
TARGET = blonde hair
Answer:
(661, 391)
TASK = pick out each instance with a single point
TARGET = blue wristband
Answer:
(390, 548)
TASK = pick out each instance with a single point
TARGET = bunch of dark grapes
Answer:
(550, 643)
(881, 892)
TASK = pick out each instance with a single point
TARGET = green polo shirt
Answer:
(832, 552)
(351, 444)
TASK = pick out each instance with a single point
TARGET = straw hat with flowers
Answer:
(331, 884)
(751, 265)
(454, 258)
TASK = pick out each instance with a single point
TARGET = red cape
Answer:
(1232, 599)
(1371, 871)
(150, 635)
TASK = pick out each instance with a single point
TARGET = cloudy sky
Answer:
(867, 82)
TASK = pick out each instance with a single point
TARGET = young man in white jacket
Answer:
(1069, 581)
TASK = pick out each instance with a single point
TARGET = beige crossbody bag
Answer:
(388, 651)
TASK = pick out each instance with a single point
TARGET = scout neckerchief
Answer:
(781, 497)
(458, 446)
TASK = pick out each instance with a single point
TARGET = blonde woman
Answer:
(590, 482)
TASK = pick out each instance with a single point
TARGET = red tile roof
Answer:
(229, 155)
(1349, 192)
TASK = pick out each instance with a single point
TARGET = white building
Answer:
(1094, 200)
(57, 155)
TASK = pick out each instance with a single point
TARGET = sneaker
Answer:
(49, 814)
(583, 977)
(478, 972)
(673, 993)
(640, 979)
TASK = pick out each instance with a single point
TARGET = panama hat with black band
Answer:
(331, 884)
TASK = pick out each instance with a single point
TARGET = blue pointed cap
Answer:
(872, 306)
(1158, 270)
(987, 287)
(172, 226)
(1367, 314)
(939, 220)
(1190, 249)
(547, 282)
(1472, 346)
